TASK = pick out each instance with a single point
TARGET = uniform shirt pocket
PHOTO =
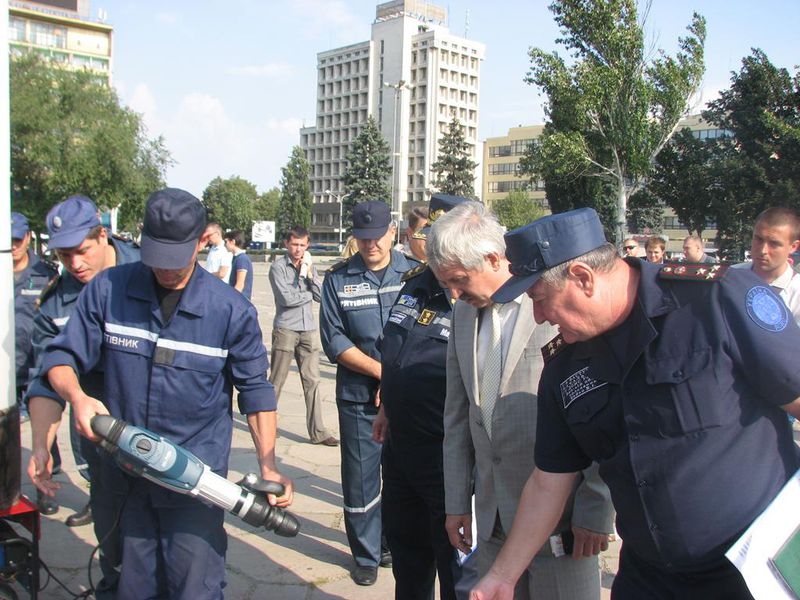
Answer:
(693, 390)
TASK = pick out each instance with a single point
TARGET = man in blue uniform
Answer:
(410, 426)
(85, 249)
(173, 341)
(31, 276)
(357, 296)
(675, 380)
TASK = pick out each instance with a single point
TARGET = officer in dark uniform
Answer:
(357, 297)
(675, 380)
(410, 425)
(173, 341)
(85, 248)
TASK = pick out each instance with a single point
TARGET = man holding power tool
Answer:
(170, 365)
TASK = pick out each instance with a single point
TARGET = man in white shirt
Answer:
(218, 261)
(776, 235)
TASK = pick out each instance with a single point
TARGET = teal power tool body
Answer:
(141, 452)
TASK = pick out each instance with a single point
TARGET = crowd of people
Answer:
(502, 397)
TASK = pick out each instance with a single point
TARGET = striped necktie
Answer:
(492, 370)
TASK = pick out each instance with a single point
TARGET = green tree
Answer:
(368, 169)
(69, 135)
(231, 202)
(268, 204)
(295, 204)
(618, 105)
(516, 209)
(645, 212)
(453, 171)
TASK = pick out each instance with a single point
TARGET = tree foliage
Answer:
(268, 205)
(454, 170)
(231, 202)
(368, 169)
(69, 135)
(614, 107)
(516, 209)
(730, 179)
(295, 203)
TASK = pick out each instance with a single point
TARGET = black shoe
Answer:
(45, 504)
(386, 558)
(80, 518)
(365, 575)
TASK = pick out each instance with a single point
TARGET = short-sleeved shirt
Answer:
(414, 360)
(242, 262)
(218, 257)
(679, 405)
(355, 307)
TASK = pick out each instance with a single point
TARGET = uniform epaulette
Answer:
(339, 265)
(693, 271)
(553, 348)
(48, 290)
(121, 238)
(411, 273)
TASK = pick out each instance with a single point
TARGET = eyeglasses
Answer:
(629, 247)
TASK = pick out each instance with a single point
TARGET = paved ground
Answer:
(313, 566)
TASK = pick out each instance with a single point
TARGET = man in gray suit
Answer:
(493, 367)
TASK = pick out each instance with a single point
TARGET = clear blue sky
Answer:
(228, 84)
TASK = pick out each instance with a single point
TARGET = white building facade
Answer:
(413, 76)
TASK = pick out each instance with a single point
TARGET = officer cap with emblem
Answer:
(19, 226)
(546, 243)
(439, 205)
(371, 220)
(174, 220)
(70, 221)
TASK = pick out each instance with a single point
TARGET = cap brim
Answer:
(370, 233)
(422, 234)
(163, 255)
(18, 234)
(514, 287)
(68, 239)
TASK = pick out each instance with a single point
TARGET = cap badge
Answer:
(57, 222)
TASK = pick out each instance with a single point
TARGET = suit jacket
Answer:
(502, 465)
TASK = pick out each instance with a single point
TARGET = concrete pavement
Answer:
(313, 566)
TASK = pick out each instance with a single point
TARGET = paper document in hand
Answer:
(766, 554)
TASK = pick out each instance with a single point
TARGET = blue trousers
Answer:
(171, 550)
(361, 481)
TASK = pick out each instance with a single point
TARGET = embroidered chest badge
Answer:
(355, 288)
(406, 300)
(577, 385)
(766, 310)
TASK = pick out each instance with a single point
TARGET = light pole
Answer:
(339, 200)
(397, 203)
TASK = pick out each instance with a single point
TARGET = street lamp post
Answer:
(339, 200)
(397, 203)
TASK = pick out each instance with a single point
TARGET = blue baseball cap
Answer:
(70, 221)
(174, 220)
(546, 243)
(19, 226)
(439, 205)
(371, 220)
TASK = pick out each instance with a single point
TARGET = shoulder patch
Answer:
(693, 271)
(48, 290)
(125, 240)
(553, 348)
(765, 309)
(411, 273)
(339, 265)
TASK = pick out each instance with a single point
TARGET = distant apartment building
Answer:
(413, 76)
(501, 156)
(63, 32)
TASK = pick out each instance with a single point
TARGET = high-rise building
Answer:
(61, 31)
(413, 76)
